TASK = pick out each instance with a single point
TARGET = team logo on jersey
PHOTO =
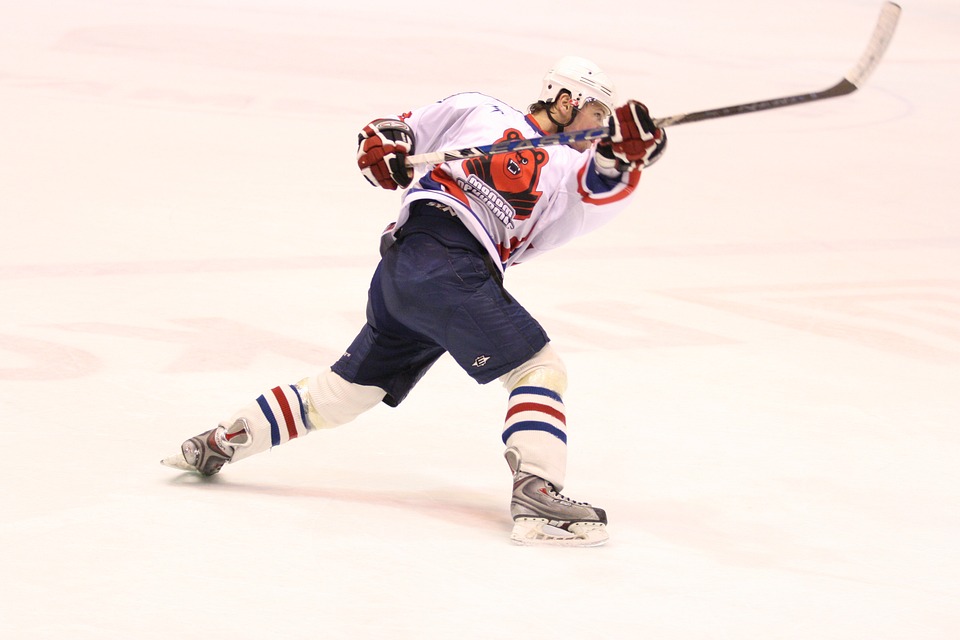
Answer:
(506, 182)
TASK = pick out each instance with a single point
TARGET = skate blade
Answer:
(177, 461)
(539, 532)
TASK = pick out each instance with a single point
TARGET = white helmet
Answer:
(583, 79)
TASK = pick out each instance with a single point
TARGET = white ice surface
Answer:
(764, 349)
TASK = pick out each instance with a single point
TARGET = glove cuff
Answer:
(607, 163)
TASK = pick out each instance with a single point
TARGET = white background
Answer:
(764, 349)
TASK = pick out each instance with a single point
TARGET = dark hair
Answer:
(540, 105)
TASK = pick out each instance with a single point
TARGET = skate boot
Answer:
(542, 516)
(209, 451)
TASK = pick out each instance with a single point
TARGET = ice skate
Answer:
(542, 516)
(209, 451)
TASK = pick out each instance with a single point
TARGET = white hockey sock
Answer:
(276, 417)
(288, 412)
(284, 410)
(536, 430)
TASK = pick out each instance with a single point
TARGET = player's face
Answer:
(591, 116)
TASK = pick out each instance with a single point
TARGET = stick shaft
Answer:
(855, 78)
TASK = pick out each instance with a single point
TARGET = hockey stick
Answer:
(855, 78)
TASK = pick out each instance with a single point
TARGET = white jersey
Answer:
(518, 204)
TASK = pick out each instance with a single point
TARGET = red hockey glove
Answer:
(635, 142)
(382, 151)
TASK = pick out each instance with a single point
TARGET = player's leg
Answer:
(535, 428)
(277, 416)
(535, 436)
(379, 365)
(492, 336)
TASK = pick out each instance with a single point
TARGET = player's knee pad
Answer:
(332, 401)
(545, 369)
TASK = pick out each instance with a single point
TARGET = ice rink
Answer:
(764, 349)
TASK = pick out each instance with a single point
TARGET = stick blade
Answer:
(882, 35)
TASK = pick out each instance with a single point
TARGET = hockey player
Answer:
(439, 285)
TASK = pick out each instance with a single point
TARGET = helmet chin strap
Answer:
(573, 114)
(561, 125)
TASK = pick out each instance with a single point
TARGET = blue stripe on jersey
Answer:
(274, 427)
(533, 425)
(598, 183)
(537, 391)
(427, 183)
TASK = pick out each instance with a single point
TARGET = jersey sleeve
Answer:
(600, 189)
(586, 201)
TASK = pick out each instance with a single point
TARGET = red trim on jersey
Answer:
(505, 251)
(450, 185)
(533, 123)
(618, 193)
(287, 413)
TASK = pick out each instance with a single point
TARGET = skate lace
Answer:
(553, 491)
